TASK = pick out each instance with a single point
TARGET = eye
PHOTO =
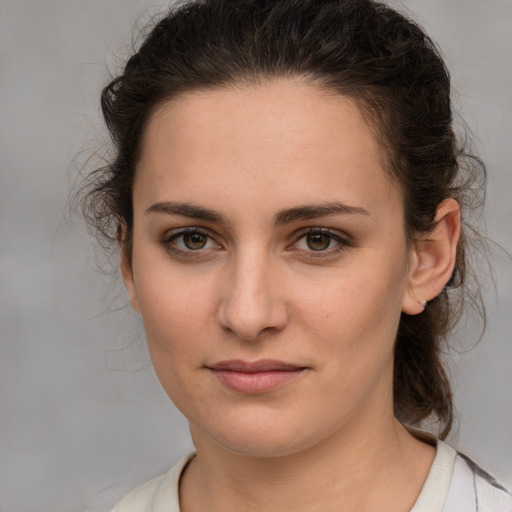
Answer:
(193, 241)
(189, 240)
(320, 240)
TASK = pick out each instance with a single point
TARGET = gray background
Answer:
(83, 418)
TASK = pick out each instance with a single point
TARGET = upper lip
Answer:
(263, 365)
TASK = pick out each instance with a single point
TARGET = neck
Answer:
(364, 469)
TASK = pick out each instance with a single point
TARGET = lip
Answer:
(254, 377)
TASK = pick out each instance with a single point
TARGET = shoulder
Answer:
(473, 489)
(157, 495)
(456, 484)
(141, 498)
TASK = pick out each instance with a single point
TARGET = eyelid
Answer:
(173, 234)
(344, 241)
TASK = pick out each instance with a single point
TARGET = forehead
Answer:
(289, 135)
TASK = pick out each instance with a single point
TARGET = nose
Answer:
(252, 301)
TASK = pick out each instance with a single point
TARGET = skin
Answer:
(253, 288)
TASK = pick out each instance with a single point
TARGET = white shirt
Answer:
(454, 484)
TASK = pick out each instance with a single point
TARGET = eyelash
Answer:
(342, 243)
(169, 242)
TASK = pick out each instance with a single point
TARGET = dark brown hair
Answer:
(359, 48)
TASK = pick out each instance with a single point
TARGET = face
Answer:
(269, 265)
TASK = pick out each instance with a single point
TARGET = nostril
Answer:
(254, 324)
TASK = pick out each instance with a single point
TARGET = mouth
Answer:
(257, 376)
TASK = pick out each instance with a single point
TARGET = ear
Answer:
(433, 258)
(126, 268)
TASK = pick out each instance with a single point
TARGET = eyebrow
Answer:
(307, 212)
(286, 216)
(186, 210)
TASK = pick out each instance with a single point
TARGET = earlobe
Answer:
(126, 269)
(433, 258)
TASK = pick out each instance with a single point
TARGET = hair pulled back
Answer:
(359, 48)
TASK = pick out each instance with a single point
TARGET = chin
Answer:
(259, 436)
(262, 447)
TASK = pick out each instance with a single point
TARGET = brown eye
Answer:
(194, 241)
(318, 241)
(189, 240)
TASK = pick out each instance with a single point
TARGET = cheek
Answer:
(355, 296)
(176, 308)
(354, 325)
(356, 314)
(175, 319)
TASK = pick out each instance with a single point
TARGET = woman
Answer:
(287, 198)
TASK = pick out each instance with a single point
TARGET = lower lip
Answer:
(256, 382)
